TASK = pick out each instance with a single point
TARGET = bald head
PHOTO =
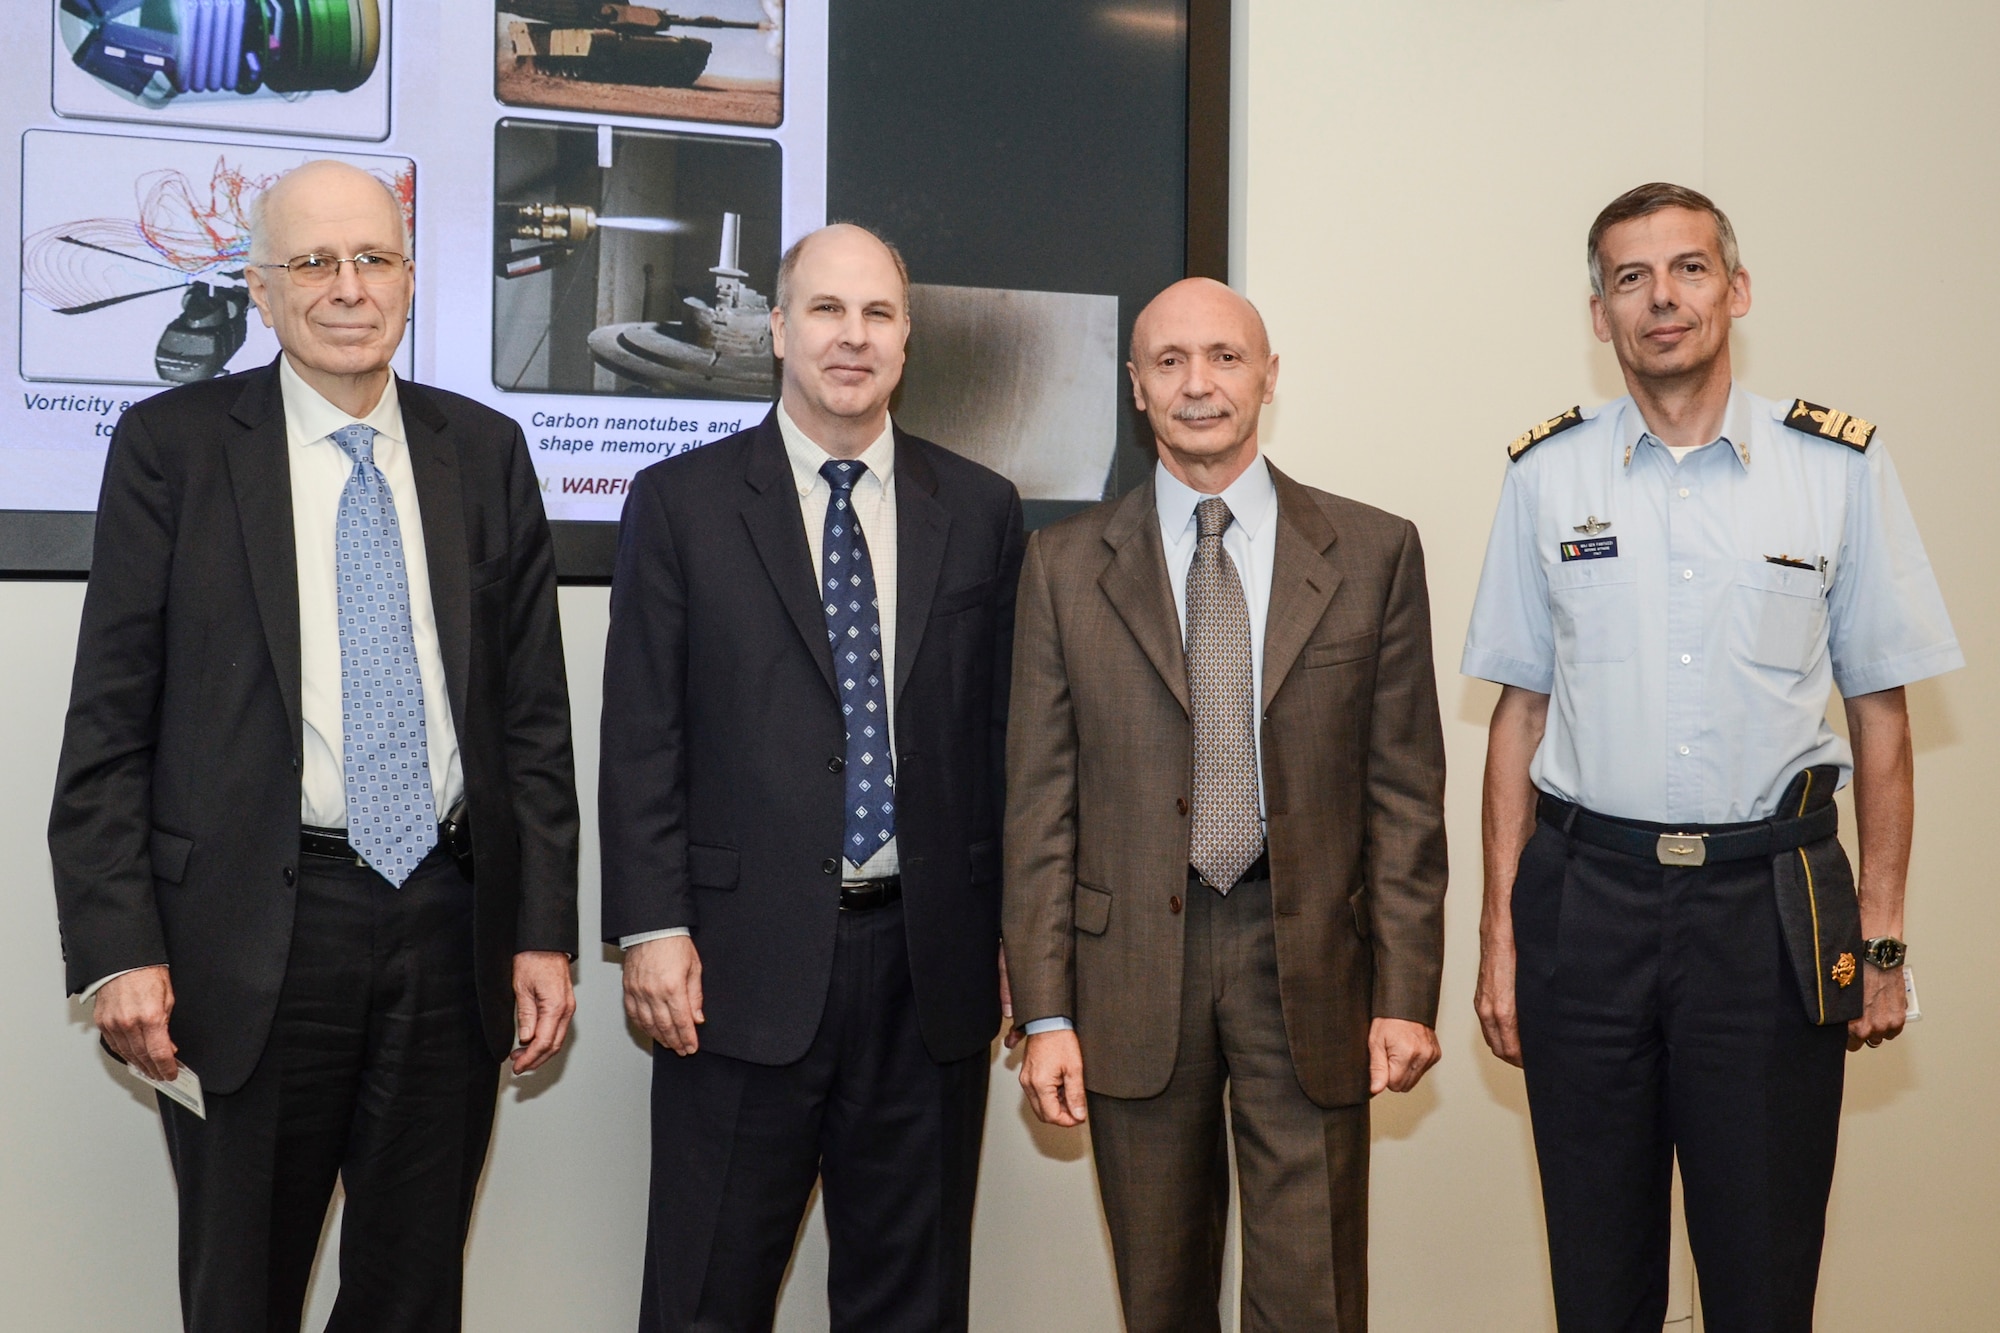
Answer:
(1202, 370)
(844, 243)
(325, 182)
(1200, 303)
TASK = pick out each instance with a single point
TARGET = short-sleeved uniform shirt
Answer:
(1688, 619)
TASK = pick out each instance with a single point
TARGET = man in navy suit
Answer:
(805, 699)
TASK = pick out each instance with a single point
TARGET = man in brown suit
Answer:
(1193, 900)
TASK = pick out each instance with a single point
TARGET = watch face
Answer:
(1886, 952)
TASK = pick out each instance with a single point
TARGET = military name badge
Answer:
(1828, 423)
(1596, 548)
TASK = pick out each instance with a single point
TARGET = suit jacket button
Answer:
(835, 764)
(289, 877)
(828, 866)
(1174, 904)
(1180, 804)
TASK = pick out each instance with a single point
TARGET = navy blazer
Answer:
(721, 809)
(175, 831)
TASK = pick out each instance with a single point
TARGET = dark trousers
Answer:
(1659, 1015)
(1163, 1167)
(375, 1074)
(892, 1135)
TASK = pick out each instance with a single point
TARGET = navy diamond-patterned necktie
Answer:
(854, 631)
(391, 817)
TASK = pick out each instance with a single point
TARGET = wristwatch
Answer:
(1885, 951)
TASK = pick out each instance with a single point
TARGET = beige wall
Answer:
(1414, 181)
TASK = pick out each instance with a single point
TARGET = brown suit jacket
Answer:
(1098, 756)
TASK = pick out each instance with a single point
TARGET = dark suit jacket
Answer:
(175, 833)
(721, 804)
(1099, 755)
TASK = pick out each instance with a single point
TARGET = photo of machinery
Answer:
(1025, 382)
(293, 66)
(633, 262)
(724, 64)
(133, 254)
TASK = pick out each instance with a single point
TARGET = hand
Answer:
(1013, 1036)
(131, 1014)
(1494, 999)
(1399, 1052)
(1884, 1007)
(1052, 1075)
(663, 991)
(543, 1003)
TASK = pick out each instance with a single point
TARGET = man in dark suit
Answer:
(321, 623)
(805, 692)
(1225, 841)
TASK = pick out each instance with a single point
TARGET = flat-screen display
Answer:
(599, 195)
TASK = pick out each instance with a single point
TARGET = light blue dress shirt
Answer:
(1251, 539)
(1689, 643)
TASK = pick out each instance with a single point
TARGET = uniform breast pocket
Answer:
(1779, 616)
(1595, 607)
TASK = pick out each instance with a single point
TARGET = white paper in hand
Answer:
(1911, 1013)
(185, 1089)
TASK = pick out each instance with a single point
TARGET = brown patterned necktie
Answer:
(1228, 834)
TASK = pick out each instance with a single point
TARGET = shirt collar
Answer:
(310, 418)
(1252, 499)
(807, 457)
(1736, 427)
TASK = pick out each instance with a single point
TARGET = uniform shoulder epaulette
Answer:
(1541, 430)
(1827, 423)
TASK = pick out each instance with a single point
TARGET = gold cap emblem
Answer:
(1843, 970)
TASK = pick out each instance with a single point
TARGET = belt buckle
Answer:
(1682, 849)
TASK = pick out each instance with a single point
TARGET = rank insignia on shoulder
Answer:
(1541, 430)
(1829, 423)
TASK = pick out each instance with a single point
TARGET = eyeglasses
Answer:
(318, 270)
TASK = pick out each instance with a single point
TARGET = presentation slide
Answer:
(599, 194)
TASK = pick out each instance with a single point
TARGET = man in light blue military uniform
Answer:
(1673, 946)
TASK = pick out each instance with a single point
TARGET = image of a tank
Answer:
(153, 51)
(612, 43)
(731, 351)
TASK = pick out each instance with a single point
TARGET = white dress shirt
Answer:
(874, 504)
(319, 473)
(319, 470)
(1251, 539)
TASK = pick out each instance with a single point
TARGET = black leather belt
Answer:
(868, 894)
(1689, 844)
(1257, 869)
(331, 844)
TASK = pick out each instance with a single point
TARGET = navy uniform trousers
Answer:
(1659, 1015)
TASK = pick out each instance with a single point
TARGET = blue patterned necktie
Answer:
(854, 631)
(391, 816)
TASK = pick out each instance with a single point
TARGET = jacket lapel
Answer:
(1302, 581)
(1135, 583)
(441, 501)
(260, 473)
(779, 535)
(922, 525)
